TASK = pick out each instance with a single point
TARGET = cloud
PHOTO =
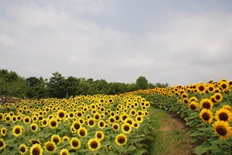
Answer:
(92, 39)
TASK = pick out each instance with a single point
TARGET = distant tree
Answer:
(72, 85)
(141, 83)
(56, 85)
(11, 85)
(161, 85)
(37, 87)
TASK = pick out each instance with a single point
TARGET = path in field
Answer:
(170, 135)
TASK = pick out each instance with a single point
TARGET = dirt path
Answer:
(170, 135)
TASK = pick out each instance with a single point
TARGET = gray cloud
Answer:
(114, 41)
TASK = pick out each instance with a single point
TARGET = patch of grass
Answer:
(168, 135)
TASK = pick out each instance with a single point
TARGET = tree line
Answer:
(58, 86)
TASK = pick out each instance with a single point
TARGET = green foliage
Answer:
(11, 85)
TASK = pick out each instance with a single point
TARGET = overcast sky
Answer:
(167, 41)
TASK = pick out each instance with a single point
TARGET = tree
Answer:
(11, 85)
(56, 86)
(37, 87)
(141, 83)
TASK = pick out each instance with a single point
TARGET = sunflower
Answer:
(75, 143)
(123, 116)
(111, 119)
(61, 114)
(99, 135)
(121, 139)
(17, 130)
(184, 95)
(50, 147)
(97, 116)
(206, 104)
(222, 129)
(139, 119)
(36, 149)
(210, 88)
(115, 126)
(218, 97)
(223, 85)
(101, 124)
(201, 88)
(129, 120)
(27, 120)
(132, 112)
(82, 132)
(206, 115)
(223, 115)
(64, 152)
(1, 116)
(126, 128)
(91, 122)
(94, 144)
(2, 144)
(53, 123)
(44, 122)
(3, 131)
(65, 138)
(56, 139)
(34, 141)
(228, 107)
(193, 98)
(23, 149)
(34, 127)
(136, 125)
(7, 118)
(193, 105)
(76, 125)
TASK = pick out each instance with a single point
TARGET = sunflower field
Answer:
(88, 125)
(206, 109)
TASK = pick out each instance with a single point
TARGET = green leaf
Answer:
(203, 148)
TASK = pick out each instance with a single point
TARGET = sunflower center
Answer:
(193, 107)
(33, 127)
(77, 126)
(223, 116)
(210, 88)
(97, 117)
(91, 122)
(61, 114)
(26, 120)
(55, 139)
(201, 88)
(115, 127)
(94, 144)
(101, 124)
(206, 105)
(121, 140)
(111, 120)
(206, 116)
(218, 97)
(53, 123)
(82, 132)
(1, 144)
(126, 128)
(50, 147)
(221, 130)
(17, 131)
(36, 151)
(224, 86)
(23, 149)
(99, 135)
(75, 143)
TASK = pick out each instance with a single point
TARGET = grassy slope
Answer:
(170, 136)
